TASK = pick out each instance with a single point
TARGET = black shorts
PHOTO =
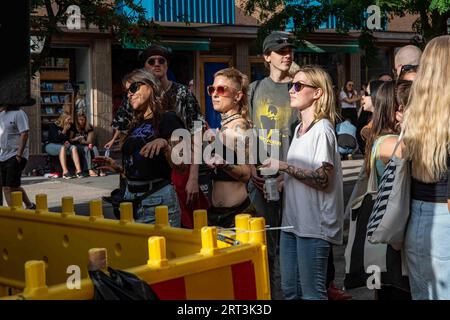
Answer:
(11, 171)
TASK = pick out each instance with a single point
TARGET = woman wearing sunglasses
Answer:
(146, 150)
(313, 196)
(364, 119)
(229, 192)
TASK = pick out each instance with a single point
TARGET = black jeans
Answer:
(271, 211)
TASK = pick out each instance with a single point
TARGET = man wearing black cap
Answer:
(270, 110)
(178, 98)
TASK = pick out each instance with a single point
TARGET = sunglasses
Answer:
(134, 87)
(408, 67)
(221, 90)
(298, 86)
(152, 61)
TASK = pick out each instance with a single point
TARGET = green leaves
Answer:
(129, 25)
(307, 16)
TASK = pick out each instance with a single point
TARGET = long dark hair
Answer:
(154, 102)
(383, 119)
(374, 86)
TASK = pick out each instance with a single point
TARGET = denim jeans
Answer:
(427, 248)
(303, 264)
(53, 149)
(164, 197)
(271, 211)
(86, 155)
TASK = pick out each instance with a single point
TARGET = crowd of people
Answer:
(313, 128)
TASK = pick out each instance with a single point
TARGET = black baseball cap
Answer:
(277, 40)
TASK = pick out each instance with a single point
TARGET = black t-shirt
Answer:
(55, 134)
(140, 168)
(82, 133)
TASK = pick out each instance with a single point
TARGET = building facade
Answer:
(205, 36)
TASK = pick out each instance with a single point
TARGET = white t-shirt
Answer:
(344, 104)
(314, 213)
(12, 124)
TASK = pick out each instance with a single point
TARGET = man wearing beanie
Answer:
(178, 98)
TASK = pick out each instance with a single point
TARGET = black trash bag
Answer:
(120, 285)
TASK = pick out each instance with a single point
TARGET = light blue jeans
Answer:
(427, 248)
(164, 197)
(303, 264)
(53, 149)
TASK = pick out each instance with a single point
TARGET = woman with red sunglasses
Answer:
(229, 192)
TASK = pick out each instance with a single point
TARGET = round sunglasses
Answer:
(152, 61)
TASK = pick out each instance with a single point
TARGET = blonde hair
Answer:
(87, 126)
(427, 118)
(325, 106)
(293, 69)
(60, 121)
(241, 80)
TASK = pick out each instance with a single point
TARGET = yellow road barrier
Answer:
(41, 251)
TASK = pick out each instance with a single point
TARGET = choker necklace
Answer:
(227, 119)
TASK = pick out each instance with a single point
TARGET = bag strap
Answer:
(399, 140)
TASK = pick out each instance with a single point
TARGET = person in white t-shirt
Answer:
(313, 191)
(13, 151)
(348, 98)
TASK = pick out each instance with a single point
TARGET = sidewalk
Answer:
(82, 191)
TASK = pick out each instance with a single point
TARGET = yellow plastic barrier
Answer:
(177, 263)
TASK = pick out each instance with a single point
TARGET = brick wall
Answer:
(402, 24)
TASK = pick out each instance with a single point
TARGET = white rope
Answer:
(267, 228)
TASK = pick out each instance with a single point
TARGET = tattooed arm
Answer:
(319, 179)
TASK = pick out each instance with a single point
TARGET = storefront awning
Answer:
(176, 44)
(309, 47)
(187, 44)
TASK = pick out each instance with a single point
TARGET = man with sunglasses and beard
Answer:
(178, 98)
(272, 116)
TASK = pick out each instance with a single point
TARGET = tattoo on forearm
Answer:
(318, 178)
(228, 167)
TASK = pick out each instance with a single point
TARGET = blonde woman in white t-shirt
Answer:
(313, 196)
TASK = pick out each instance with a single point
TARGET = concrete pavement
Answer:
(89, 188)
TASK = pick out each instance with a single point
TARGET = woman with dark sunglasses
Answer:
(313, 195)
(146, 150)
(364, 119)
(229, 176)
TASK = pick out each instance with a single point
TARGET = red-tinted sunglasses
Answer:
(221, 90)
